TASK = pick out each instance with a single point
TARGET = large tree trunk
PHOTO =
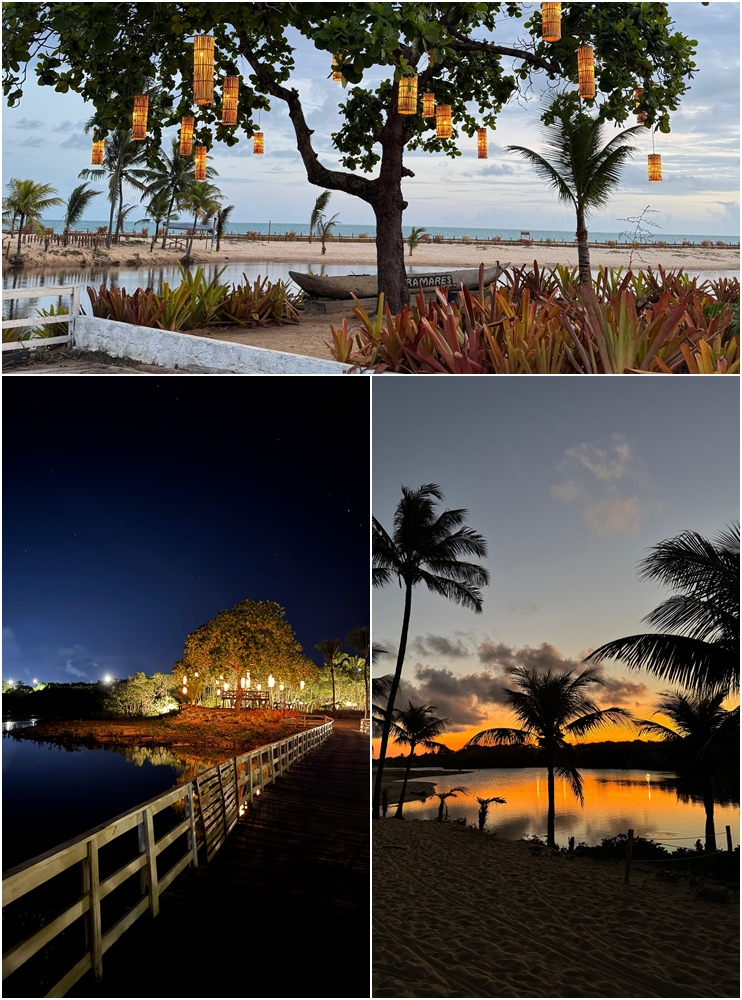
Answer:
(400, 804)
(392, 695)
(583, 250)
(388, 205)
(550, 818)
(708, 805)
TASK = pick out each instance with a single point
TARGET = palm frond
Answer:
(677, 658)
(499, 737)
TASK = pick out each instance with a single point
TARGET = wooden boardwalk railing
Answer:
(211, 805)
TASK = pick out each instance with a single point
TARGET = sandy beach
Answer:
(457, 914)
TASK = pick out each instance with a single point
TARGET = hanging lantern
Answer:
(428, 105)
(98, 149)
(200, 163)
(551, 22)
(482, 144)
(654, 167)
(443, 121)
(337, 76)
(186, 135)
(139, 117)
(407, 96)
(586, 72)
(258, 144)
(641, 116)
(203, 69)
(230, 93)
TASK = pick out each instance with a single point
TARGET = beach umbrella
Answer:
(407, 96)
(258, 143)
(186, 135)
(139, 117)
(337, 76)
(98, 147)
(641, 116)
(482, 144)
(654, 167)
(230, 93)
(551, 22)
(200, 163)
(203, 69)
(443, 121)
(428, 105)
(586, 72)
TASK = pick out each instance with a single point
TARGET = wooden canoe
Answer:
(363, 286)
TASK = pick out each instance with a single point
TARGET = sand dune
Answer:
(456, 914)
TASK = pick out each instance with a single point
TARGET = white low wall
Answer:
(183, 350)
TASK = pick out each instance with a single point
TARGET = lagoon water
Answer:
(614, 802)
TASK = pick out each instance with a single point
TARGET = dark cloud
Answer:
(438, 645)
(466, 699)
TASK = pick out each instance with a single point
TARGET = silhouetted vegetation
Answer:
(55, 701)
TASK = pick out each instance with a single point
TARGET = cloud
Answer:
(11, 649)
(29, 123)
(69, 669)
(438, 645)
(75, 141)
(34, 141)
(543, 657)
(613, 514)
(69, 126)
(524, 610)
(600, 463)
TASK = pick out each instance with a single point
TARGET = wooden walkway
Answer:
(283, 910)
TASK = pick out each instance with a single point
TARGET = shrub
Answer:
(140, 695)
(706, 243)
(437, 239)
(466, 239)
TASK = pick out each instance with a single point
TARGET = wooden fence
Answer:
(212, 804)
(35, 293)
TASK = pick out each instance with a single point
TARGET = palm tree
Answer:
(702, 653)
(325, 228)
(172, 175)
(416, 237)
(222, 218)
(416, 726)
(123, 160)
(552, 706)
(450, 794)
(424, 547)
(204, 200)
(27, 201)
(581, 170)
(158, 209)
(77, 203)
(332, 650)
(701, 742)
(317, 212)
(360, 640)
(484, 808)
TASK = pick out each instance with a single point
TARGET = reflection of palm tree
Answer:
(702, 741)
(413, 727)
(450, 794)
(424, 547)
(331, 649)
(702, 653)
(484, 806)
(552, 706)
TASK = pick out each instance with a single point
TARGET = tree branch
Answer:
(463, 44)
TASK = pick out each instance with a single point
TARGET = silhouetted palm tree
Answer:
(424, 547)
(123, 161)
(484, 808)
(332, 650)
(702, 653)
(552, 706)
(703, 740)
(415, 726)
(450, 794)
(582, 171)
(27, 201)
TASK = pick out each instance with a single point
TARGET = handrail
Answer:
(250, 773)
(30, 293)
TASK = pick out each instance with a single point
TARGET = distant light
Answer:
(11, 683)
(107, 679)
(35, 681)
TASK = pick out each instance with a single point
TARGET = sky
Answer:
(136, 509)
(571, 481)
(699, 194)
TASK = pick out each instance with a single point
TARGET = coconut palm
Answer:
(123, 162)
(484, 808)
(222, 218)
(172, 175)
(360, 640)
(552, 706)
(332, 650)
(702, 651)
(424, 547)
(450, 794)
(318, 211)
(416, 237)
(325, 228)
(415, 726)
(203, 199)
(583, 172)
(27, 201)
(701, 743)
(78, 201)
(158, 209)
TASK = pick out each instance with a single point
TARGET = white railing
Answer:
(36, 293)
(365, 725)
(250, 773)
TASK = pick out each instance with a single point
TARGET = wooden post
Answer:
(94, 924)
(250, 760)
(149, 836)
(629, 842)
(74, 311)
(142, 850)
(191, 813)
(729, 839)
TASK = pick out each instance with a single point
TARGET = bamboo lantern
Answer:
(482, 144)
(258, 144)
(200, 164)
(230, 93)
(98, 148)
(443, 121)
(641, 116)
(654, 167)
(407, 97)
(428, 105)
(139, 117)
(586, 72)
(337, 76)
(203, 69)
(186, 135)
(551, 22)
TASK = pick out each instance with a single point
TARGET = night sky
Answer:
(135, 509)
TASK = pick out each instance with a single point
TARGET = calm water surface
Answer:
(614, 802)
